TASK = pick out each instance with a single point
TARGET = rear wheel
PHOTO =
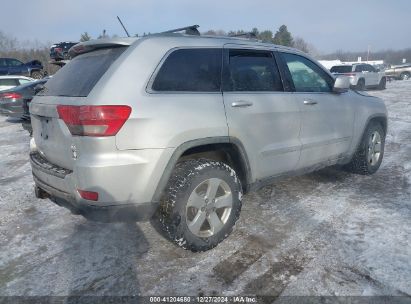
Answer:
(361, 85)
(36, 75)
(368, 157)
(383, 84)
(405, 76)
(201, 204)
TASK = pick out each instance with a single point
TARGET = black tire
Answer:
(405, 76)
(383, 84)
(360, 85)
(36, 75)
(174, 211)
(360, 163)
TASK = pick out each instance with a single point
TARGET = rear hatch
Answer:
(69, 87)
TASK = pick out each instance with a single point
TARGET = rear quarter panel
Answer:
(158, 120)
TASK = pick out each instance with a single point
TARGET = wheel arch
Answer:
(376, 118)
(226, 149)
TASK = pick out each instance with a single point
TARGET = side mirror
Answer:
(341, 84)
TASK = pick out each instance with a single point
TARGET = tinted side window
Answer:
(370, 68)
(9, 82)
(193, 70)
(306, 75)
(14, 62)
(360, 68)
(253, 71)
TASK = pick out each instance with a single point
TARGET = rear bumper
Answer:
(55, 183)
(12, 109)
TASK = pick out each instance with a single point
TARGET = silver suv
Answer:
(181, 126)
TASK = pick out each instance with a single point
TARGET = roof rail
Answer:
(249, 35)
(189, 30)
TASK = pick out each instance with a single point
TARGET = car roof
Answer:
(173, 39)
(16, 77)
(25, 85)
(10, 58)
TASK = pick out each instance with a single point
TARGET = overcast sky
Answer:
(328, 24)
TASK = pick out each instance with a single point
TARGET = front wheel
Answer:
(201, 204)
(368, 157)
(360, 85)
(383, 84)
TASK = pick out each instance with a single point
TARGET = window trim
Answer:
(290, 79)
(226, 70)
(149, 86)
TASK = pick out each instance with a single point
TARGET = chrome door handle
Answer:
(310, 102)
(241, 103)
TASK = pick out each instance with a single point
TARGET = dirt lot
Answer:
(326, 233)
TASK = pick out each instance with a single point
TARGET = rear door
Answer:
(327, 118)
(373, 76)
(260, 114)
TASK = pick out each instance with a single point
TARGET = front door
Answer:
(327, 118)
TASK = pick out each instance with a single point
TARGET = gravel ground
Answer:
(325, 233)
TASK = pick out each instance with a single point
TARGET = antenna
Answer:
(119, 20)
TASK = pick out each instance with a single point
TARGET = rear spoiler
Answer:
(88, 46)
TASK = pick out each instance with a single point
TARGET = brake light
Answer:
(11, 95)
(88, 195)
(349, 74)
(94, 120)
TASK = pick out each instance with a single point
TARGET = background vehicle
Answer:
(59, 51)
(8, 82)
(14, 102)
(362, 76)
(11, 66)
(399, 72)
(112, 143)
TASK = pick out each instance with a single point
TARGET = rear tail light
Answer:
(349, 74)
(94, 120)
(10, 95)
(88, 195)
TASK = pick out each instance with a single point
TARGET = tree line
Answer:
(392, 57)
(30, 50)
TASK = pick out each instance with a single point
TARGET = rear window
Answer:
(81, 74)
(341, 69)
(193, 70)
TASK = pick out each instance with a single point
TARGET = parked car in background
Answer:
(8, 82)
(15, 102)
(168, 141)
(399, 72)
(11, 66)
(362, 76)
(59, 51)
